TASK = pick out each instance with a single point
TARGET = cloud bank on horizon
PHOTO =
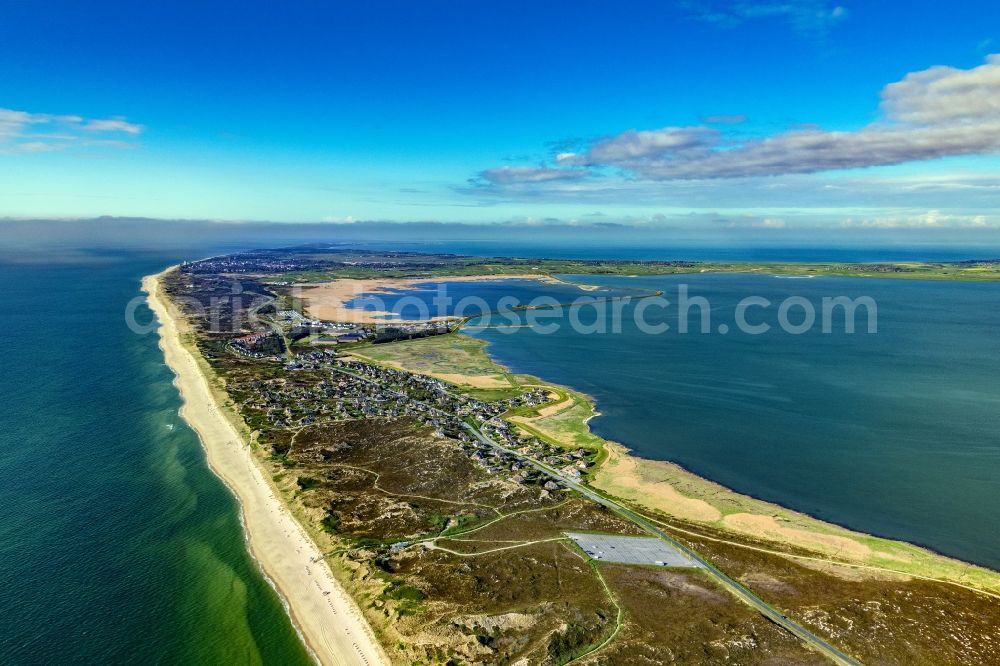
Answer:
(25, 132)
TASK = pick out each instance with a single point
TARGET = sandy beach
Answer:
(329, 301)
(324, 614)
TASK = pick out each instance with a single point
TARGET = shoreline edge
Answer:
(324, 615)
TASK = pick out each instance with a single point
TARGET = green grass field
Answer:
(455, 358)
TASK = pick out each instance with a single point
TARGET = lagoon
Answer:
(467, 298)
(895, 433)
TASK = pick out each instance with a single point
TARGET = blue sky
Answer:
(775, 114)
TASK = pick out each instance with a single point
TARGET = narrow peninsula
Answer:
(415, 502)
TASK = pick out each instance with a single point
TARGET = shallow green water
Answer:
(117, 545)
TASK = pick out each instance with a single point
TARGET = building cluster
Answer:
(323, 259)
(494, 461)
(340, 389)
(571, 464)
(437, 394)
(391, 332)
(298, 326)
(293, 317)
(879, 268)
(263, 344)
(262, 261)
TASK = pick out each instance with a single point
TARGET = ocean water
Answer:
(117, 545)
(895, 433)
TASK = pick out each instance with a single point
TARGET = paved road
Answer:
(736, 588)
(254, 315)
(742, 593)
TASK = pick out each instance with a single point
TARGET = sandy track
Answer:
(323, 613)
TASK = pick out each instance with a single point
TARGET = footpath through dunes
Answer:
(329, 620)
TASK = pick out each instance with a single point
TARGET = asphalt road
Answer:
(742, 593)
(725, 581)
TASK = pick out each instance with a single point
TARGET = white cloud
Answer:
(522, 174)
(112, 125)
(945, 95)
(859, 195)
(932, 219)
(808, 16)
(935, 113)
(25, 132)
(638, 145)
(805, 151)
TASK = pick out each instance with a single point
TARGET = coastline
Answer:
(667, 492)
(323, 613)
(669, 495)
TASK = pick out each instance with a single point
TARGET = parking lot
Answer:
(630, 550)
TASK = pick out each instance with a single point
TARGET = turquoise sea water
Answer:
(117, 545)
(895, 433)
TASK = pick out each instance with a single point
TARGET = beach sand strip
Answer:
(327, 618)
